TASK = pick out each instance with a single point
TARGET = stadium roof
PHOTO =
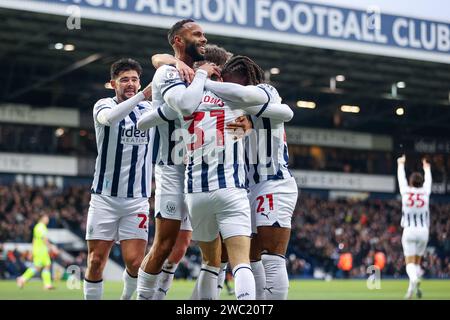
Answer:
(35, 73)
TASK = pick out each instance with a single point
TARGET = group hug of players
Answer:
(214, 132)
(217, 141)
(220, 160)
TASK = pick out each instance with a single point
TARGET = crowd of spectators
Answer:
(322, 229)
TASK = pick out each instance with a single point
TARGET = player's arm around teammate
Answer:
(149, 120)
(187, 74)
(272, 194)
(165, 113)
(119, 202)
(170, 91)
(255, 100)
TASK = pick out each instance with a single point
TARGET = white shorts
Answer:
(169, 179)
(172, 206)
(414, 241)
(112, 218)
(272, 208)
(223, 210)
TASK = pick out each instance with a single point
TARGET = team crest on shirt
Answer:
(171, 207)
(171, 74)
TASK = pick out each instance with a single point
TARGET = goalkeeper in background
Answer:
(41, 255)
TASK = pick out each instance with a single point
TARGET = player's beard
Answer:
(125, 97)
(192, 51)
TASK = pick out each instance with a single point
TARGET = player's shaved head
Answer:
(176, 30)
(244, 68)
(188, 41)
(416, 180)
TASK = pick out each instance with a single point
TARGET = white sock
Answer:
(146, 285)
(207, 282)
(277, 281)
(418, 271)
(411, 271)
(93, 290)
(165, 280)
(221, 278)
(260, 279)
(129, 285)
(412, 274)
(244, 282)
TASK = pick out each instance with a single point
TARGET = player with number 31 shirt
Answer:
(272, 189)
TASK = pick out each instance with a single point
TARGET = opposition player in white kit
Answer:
(272, 189)
(119, 208)
(188, 40)
(415, 220)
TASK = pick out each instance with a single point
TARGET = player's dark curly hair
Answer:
(125, 64)
(245, 67)
(416, 180)
(176, 29)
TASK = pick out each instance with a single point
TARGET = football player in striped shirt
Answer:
(225, 182)
(213, 171)
(219, 57)
(188, 41)
(415, 220)
(272, 189)
(119, 208)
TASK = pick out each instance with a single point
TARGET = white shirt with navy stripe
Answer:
(168, 148)
(266, 147)
(415, 201)
(218, 162)
(123, 167)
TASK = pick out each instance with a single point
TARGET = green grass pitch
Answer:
(299, 290)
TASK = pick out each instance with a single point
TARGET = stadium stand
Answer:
(322, 230)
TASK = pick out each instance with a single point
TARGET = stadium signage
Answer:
(15, 113)
(286, 21)
(38, 164)
(338, 138)
(343, 181)
(432, 146)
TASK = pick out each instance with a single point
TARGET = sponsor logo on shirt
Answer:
(134, 136)
(171, 74)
